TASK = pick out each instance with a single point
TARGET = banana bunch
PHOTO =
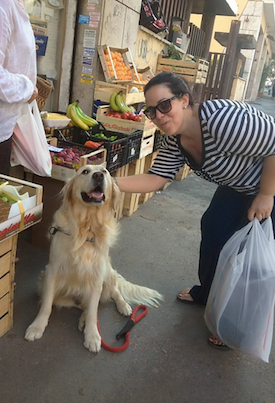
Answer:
(117, 102)
(78, 117)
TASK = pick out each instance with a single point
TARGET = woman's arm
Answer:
(144, 183)
(262, 205)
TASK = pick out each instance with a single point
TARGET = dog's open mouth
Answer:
(95, 196)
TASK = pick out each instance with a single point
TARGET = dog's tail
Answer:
(136, 294)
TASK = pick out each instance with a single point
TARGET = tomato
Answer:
(125, 115)
(92, 144)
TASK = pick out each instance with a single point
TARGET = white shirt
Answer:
(17, 63)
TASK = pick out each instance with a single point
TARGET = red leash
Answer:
(126, 330)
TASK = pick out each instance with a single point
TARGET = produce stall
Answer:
(20, 208)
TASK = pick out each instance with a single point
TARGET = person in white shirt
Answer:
(18, 71)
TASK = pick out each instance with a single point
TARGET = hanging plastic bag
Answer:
(29, 146)
(240, 306)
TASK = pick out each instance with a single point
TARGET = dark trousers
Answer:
(226, 214)
(5, 154)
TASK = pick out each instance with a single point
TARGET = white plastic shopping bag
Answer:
(240, 306)
(30, 147)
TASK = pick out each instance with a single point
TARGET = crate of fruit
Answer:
(131, 93)
(117, 64)
(68, 157)
(20, 205)
(124, 122)
(98, 137)
(194, 72)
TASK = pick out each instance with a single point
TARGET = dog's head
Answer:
(92, 185)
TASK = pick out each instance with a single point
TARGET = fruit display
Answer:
(70, 157)
(116, 65)
(120, 110)
(78, 117)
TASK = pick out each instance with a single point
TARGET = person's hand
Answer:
(261, 207)
(34, 95)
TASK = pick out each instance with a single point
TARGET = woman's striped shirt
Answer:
(236, 138)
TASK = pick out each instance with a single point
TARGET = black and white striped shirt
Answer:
(236, 138)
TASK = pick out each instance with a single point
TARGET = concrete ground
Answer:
(168, 359)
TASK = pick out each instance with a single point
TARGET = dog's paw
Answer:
(124, 308)
(34, 332)
(93, 343)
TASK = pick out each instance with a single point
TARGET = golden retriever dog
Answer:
(79, 272)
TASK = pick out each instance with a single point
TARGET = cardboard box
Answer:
(122, 125)
(15, 218)
(103, 91)
(111, 72)
(146, 147)
(193, 72)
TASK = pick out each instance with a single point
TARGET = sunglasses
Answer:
(163, 107)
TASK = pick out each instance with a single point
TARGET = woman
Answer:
(227, 142)
(17, 71)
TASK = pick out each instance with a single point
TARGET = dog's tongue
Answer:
(95, 195)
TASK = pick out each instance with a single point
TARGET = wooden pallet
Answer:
(121, 172)
(7, 263)
(149, 160)
(131, 199)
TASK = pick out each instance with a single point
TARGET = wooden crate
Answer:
(121, 172)
(122, 125)
(7, 260)
(127, 60)
(16, 217)
(193, 72)
(183, 173)
(103, 92)
(149, 160)
(131, 199)
(63, 173)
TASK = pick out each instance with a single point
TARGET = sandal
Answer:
(184, 296)
(217, 343)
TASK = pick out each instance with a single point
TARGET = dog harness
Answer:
(54, 230)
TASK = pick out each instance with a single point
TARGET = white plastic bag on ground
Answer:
(240, 306)
(30, 147)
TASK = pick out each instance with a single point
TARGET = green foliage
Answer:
(173, 53)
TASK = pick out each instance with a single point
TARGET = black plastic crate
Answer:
(158, 140)
(134, 144)
(67, 133)
(116, 149)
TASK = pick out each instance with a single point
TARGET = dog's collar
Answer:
(54, 230)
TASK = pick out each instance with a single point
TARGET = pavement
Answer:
(168, 359)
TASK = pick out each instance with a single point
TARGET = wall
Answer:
(148, 47)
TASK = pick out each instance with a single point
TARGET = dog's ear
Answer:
(115, 196)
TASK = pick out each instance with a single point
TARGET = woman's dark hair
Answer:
(176, 84)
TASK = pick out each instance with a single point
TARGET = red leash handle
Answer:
(126, 330)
